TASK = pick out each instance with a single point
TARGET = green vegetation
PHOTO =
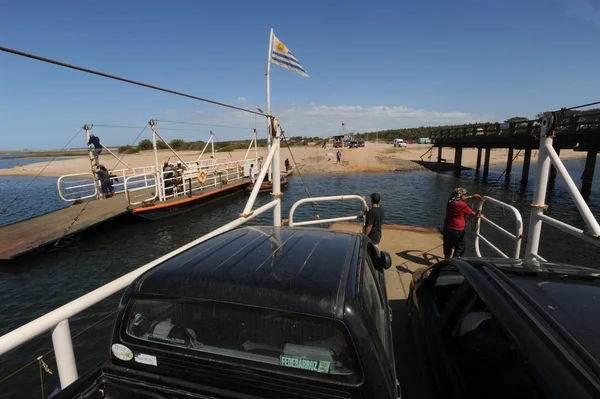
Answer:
(127, 149)
(145, 144)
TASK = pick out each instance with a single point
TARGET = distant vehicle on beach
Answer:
(400, 143)
(361, 143)
(353, 144)
(338, 144)
(424, 140)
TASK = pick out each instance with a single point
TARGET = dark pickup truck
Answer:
(254, 313)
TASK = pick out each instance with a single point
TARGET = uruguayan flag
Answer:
(282, 56)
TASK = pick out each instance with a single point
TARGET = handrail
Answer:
(146, 186)
(58, 318)
(324, 199)
(92, 184)
(517, 237)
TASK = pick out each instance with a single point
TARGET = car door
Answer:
(440, 297)
(373, 295)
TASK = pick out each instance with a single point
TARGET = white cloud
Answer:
(241, 100)
(584, 10)
(326, 120)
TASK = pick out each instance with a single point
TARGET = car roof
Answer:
(296, 269)
(568, 295)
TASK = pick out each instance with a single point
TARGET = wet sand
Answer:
(374, 157)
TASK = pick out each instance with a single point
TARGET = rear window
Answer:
(273, 337)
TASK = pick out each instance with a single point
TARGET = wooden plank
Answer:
(30, 234)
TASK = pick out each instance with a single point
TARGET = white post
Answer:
(250, 146)
(204, 149)
(212, 143)
(259, 181)
(276, 168)
(269, 99)
(255, 145)
(539, 195)
(65, 357)
(169, 147)
(159, 175)
(119, 159)
(92, 162)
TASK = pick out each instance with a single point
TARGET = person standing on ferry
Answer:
(455, 221)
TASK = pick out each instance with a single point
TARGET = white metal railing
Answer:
(516, 237)
(58, 319)
(292, 223)
(72, 186)
(136, 191)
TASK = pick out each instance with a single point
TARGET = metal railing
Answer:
(133, 190)
(58, 320)
(80, 186)
(516, 237)
(292, 223)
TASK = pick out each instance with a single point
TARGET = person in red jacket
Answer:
(454, 224)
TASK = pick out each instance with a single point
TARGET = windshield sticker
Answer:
(320, 366)
(122, 352)
(146, 359)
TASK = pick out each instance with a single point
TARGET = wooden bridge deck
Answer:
(25, 236)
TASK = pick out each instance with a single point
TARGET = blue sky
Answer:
(372, 65)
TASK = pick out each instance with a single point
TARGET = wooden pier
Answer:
(25, 236)
(579, 132)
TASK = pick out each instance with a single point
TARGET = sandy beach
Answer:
(374, 157)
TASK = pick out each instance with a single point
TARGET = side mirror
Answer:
(385, 260)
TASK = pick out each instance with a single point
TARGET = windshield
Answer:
(261, 335)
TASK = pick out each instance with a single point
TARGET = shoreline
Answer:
(373, 158)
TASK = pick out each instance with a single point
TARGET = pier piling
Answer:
(439, 159)
(486, 162)
(509, 161)
(458, 158)
(478, 158)
(588, 171)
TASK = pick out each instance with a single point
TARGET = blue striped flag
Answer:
(282, 56)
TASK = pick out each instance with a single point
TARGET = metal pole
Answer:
(204, 149)
(169, 147)
(276, 168)
(259, 180)
(159, 175)
(269, 99)
(65, 357)
(539, 195)
(255, 145)
(212, 144)
(92, 163)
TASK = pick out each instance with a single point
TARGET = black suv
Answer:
(255, 312)
(506, 329)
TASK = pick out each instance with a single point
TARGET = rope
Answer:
(579, 106)
(78, 68)
(131, 145)
(41, 378)
(300, 174)
(52, 350)
(505, 169)
(204, 124)
(72, 223)
(38, 175)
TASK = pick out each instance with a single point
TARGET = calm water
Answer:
(41, 282)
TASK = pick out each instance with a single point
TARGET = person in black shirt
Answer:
(105, 183)
(95, 140)
(374, 220)
(287, 164)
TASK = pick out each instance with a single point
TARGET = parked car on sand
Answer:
(400, 143)
(361, 143)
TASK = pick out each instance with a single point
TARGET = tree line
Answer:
(382, 135)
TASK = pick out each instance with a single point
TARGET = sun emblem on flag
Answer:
(280, 47)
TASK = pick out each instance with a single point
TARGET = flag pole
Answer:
(269, 100)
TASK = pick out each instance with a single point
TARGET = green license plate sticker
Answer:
(320, 366)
